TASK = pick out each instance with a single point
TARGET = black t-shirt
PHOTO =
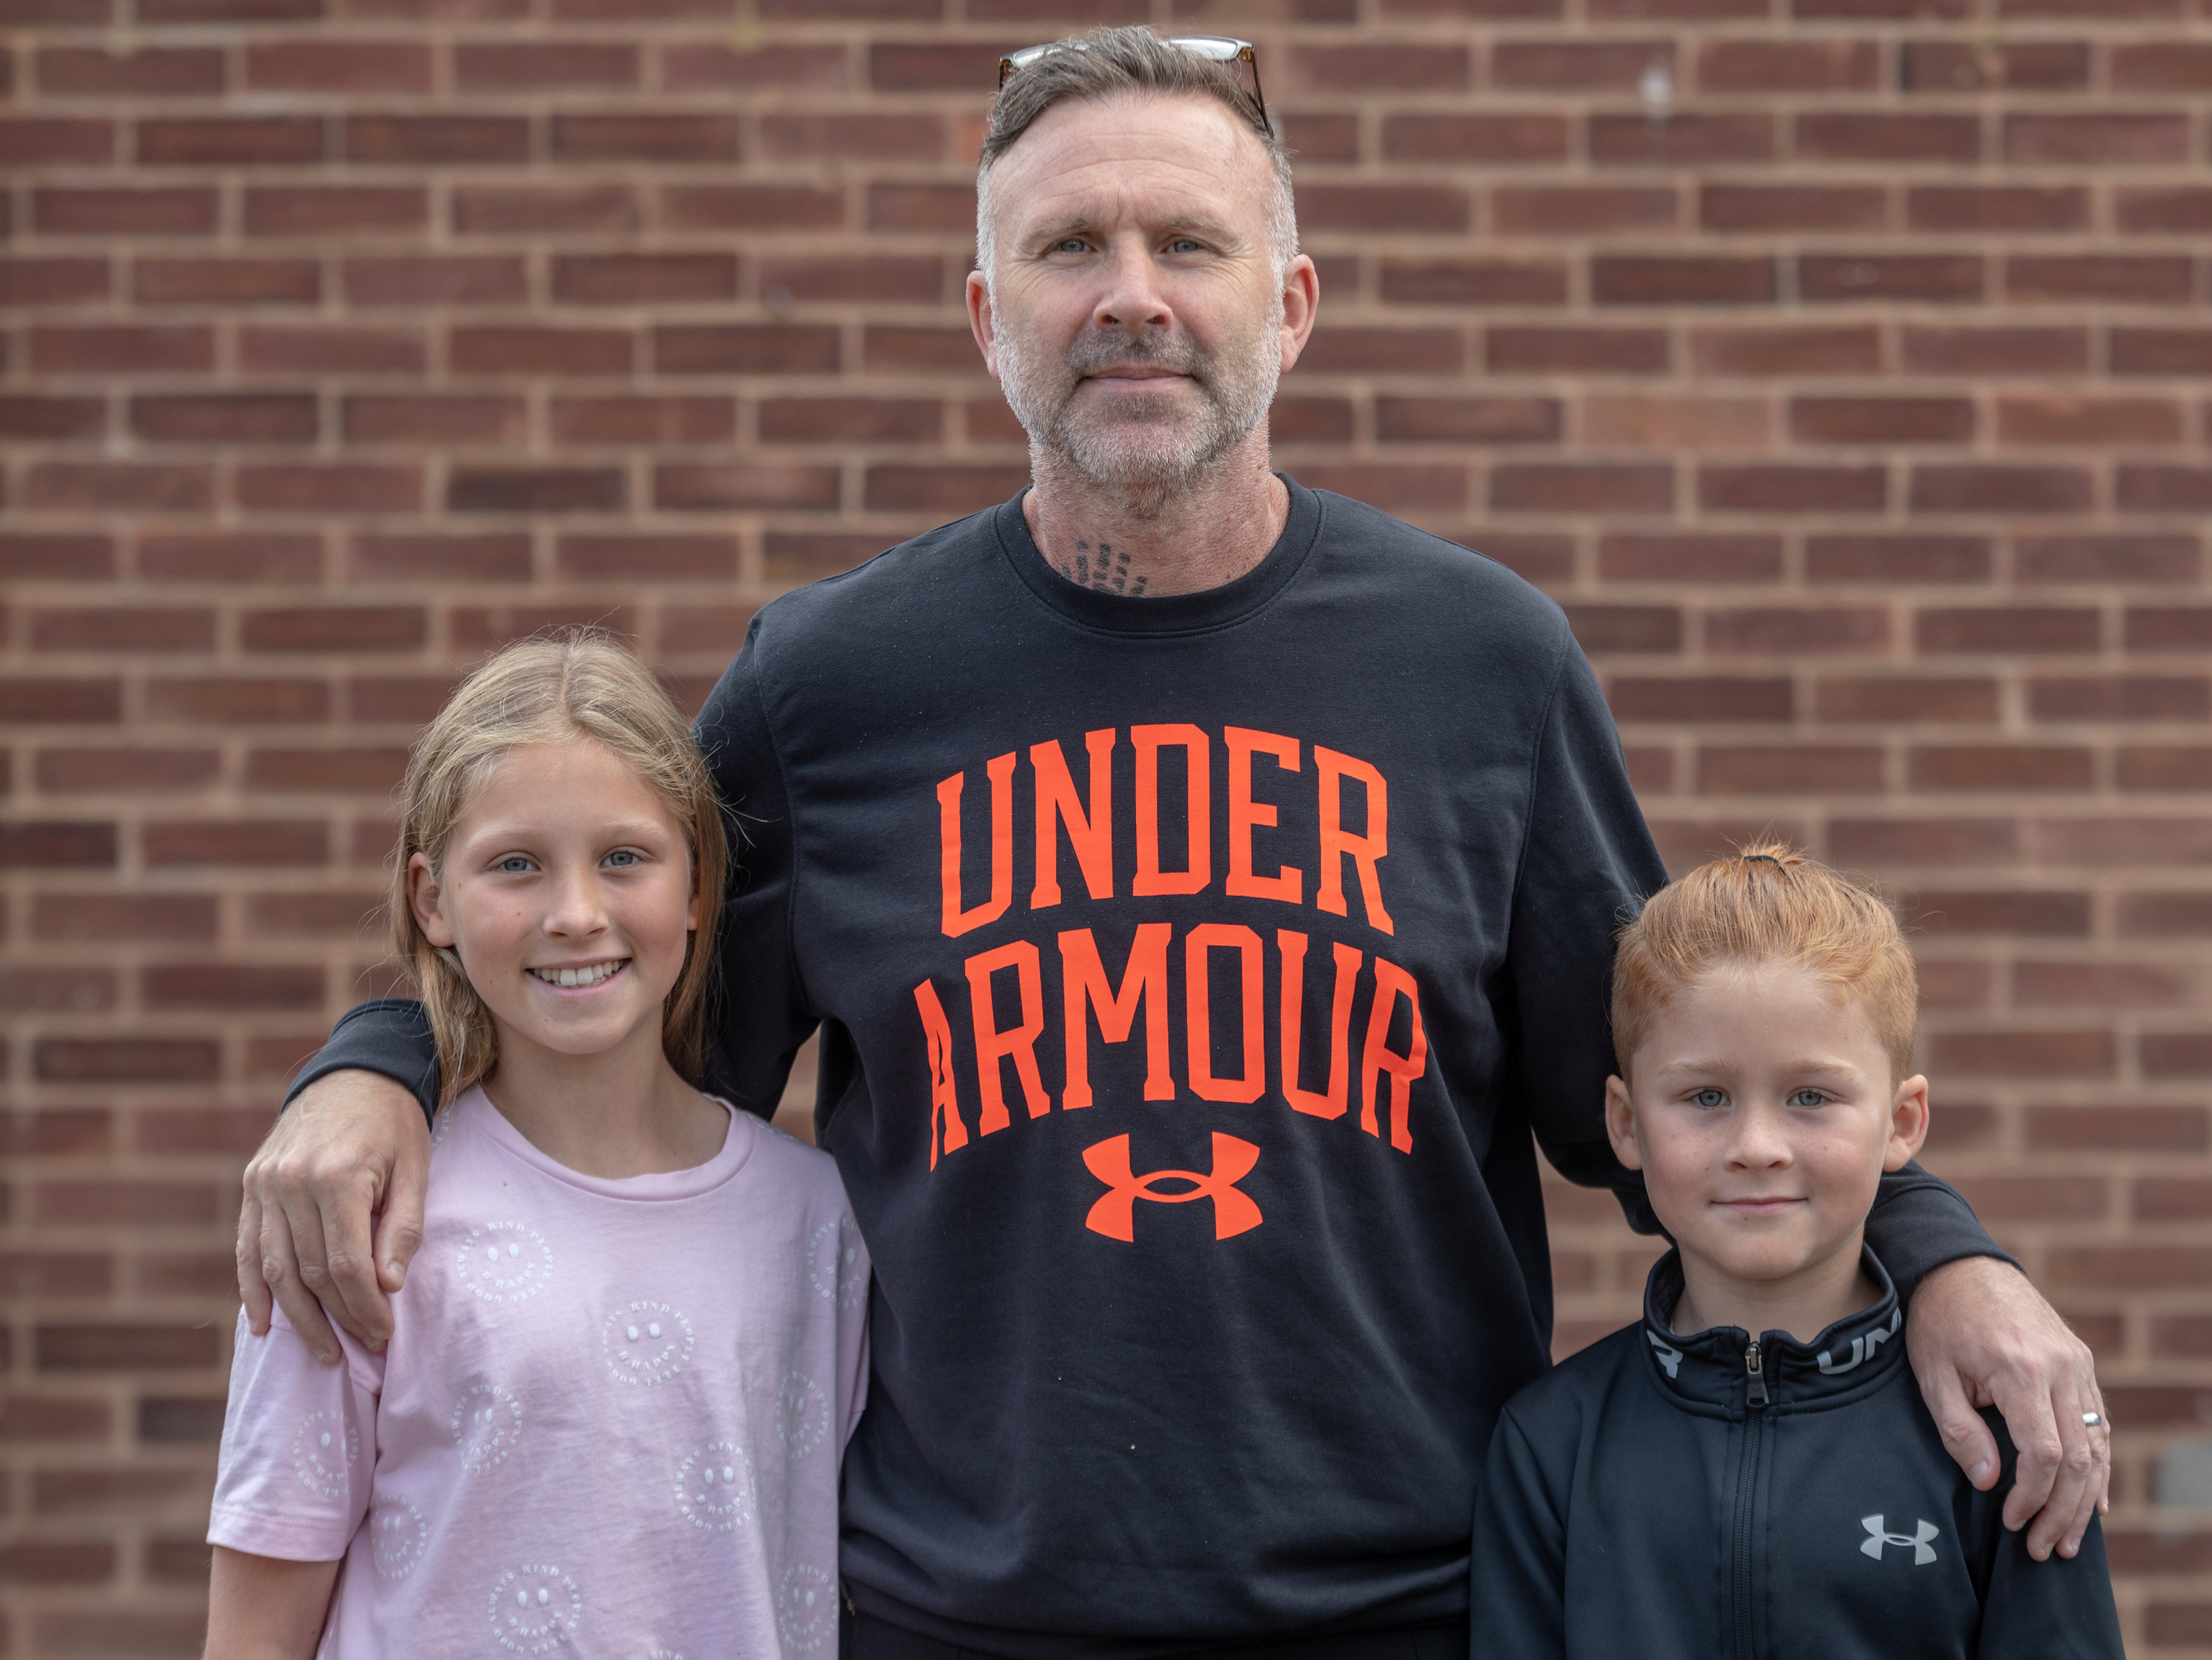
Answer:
(1653, 1497)
(1191, 974)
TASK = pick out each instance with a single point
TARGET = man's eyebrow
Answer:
(1079, 223)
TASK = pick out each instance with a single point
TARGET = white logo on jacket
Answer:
(1923, 1553)
(1862, 1347)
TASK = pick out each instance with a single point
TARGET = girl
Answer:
(609, 1418)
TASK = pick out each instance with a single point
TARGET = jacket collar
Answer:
(1714, 1368)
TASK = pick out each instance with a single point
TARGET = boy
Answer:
(1750, 1471)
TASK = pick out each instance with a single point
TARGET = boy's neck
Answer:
(1802, 1305)
(621, 1112)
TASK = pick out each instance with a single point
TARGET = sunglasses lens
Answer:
(1220, 48)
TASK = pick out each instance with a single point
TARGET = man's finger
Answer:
(350, 1293)
(1965, 1437)
(2079, 1480)
(280, 1268)
(253, 1287)
(400, 1234)
(2030, 1415)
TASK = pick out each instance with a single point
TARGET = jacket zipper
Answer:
(1746, 1491)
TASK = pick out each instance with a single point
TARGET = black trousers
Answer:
(870, 1638)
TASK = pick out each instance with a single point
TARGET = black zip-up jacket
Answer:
(1714, 1498)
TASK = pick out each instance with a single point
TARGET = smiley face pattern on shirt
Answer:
(504, 1262)
(487, 1424)
(646, 1342)
(834, 1263)
(535, 1609)
(805, 1608)
(324, 1449)
(714, 1488)
(397, 1535)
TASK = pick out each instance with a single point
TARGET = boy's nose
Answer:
(1758, 1142)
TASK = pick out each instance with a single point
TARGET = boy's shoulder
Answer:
(1580, 1386)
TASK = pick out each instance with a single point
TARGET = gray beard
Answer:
(1152, 448)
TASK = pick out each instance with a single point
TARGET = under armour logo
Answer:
(1922, 1552)
(1114, 1215)
(1670, 1359)
(1862, 1347)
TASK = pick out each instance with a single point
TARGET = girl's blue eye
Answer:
(513, 864)
(621, 856)
(1709, 1098)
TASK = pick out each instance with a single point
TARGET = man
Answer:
(1204, 886)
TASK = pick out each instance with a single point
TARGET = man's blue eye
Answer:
(1071, 245)
(1709, 1098)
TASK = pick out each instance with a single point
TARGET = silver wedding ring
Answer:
(2091, 1419)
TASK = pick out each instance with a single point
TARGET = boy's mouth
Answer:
(1774, 1204)
(582, 978)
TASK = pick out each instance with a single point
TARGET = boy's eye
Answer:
(1709, 1098)
(1809, 1097)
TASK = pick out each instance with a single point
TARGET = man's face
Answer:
(1135, 320)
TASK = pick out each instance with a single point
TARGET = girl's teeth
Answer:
(572, 977)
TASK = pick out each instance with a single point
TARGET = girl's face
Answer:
(1762, 1115)
(566, 892)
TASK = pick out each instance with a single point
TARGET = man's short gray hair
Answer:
(1098, 65)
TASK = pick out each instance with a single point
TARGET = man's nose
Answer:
(1131, 298)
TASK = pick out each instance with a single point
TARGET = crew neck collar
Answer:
(1711, 1368)
(1175, 613)
(475, 1112)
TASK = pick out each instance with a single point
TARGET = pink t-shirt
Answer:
(608, 1423)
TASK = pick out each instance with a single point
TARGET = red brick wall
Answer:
(1839, 363)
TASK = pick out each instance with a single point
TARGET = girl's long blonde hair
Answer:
(552, 691)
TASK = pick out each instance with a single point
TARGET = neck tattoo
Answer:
(1103, 570)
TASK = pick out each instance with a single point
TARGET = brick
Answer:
(1717, 698)
(2162, 767)
(897, 350)
(2163, 490)
(2160, 351)
(1461, 419)
(322, 211)
(47, 1418)
(182, 985)
(242, 843)
(2098, 985)
(2172, 1199)
(166, 210)
(1660, 421)
(226, 282)
(536, 489)
(430, 418)
(1767, 67)
(325, 770)
(1789, 630)
(56, 1563)
(1991, 489)
(333, 628)
(922, 207)
(656, 139)
(530, 349)
(251, 418)
(155, 1061)
(1681, 140)
(116, 1202)
(1893, 842)
(2017, 911)
(1392, 210)
(240, 557)
(895, 280)
(1641, 629)
(339, 66)
(2161, 66)
(147, 72)
(56, 844)
(1496, 140)
(1399, 488)
(230, 141)
(2025, 418)
(56, 991)
(1852, 349)
(164, 917)
(133, 628)
(752, 208)
(31, 417)
(1570, 65)
(702, 65)
(526, 210)
(1793, 207)
(2120, 697)
(542, 65)
(745, 349)
(449, 280)
(2019, 629)
(849, 420)
(482, 628)
(2126, 1129)
(128, 771)
(1690, 556)
(1975, 351)
(1379, 66)
(1901, 697)
(1854, 135)
(1955, 210)
(33, 556)
(57, 141)
(2094, 140)
(2015, 767)
(122, 1345)
(949, 490)
(1674, 280)
(1881, 420)
(2127, 280)
(629, 279)
(638, 558)
(1782, 488)
(1789, 769)
(119, 486)
(1934, 277)
(714, 631)
(1576, 350)
(319, 351)
(1581, 487)
(2161, 211)
(2039, 1053)
(497, 557)
(123, 349)
(1574, 210)
(436, 140)
(1993, 66)
(644, 421)
(52, 281)
(1891, 558)
(328, 487)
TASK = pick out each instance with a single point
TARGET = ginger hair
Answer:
(576, 685)
(1766, 905)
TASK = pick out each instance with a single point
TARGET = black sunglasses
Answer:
(1214, 48)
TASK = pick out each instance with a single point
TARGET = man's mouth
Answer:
(582, 976)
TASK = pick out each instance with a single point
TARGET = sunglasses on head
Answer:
(1214, 48)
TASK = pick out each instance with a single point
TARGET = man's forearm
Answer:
(389, 1036)
(1920, 1222)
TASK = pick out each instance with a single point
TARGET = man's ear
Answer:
(427, 899)
(981, 324)
(1620, 1123)
(1908, 1123)
(1301, 305)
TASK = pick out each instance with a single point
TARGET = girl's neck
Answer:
(621, 1112)
(1803, 1304)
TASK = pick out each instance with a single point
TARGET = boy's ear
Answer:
(1621, 1124)
(1908, 1123)
(427, 901)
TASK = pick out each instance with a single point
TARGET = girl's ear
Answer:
(691, 905)
(427, 899)
(1908, 1123)
(1621, 1124)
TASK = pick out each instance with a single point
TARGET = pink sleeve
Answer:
(852, 1342)
(299, 1447)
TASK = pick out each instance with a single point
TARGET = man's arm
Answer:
(353, 1146)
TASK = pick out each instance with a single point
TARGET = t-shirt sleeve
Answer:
(762, 1014)
(386, 1035)
(1588, 863)
(299, 1447)
(1517, 1594)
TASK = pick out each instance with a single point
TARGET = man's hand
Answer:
(353, 1147)
(1980, 1335)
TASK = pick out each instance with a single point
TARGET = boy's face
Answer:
(1762, 1115)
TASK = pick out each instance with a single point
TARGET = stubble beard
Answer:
(1155, 446)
